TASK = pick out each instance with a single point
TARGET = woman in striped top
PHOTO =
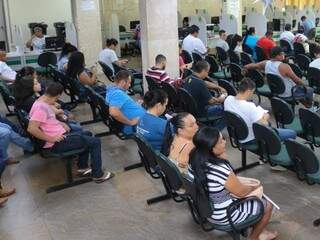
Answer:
(211, 169)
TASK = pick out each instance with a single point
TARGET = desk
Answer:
(19, 60)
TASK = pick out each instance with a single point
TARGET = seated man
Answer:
(159, 73)
(287, 35)
(7, 136)
(301, 38)
(316, 63)
(43, 125)
(222, 41)
(6, 73)
(277, 67)
(121, 106)
(199, 89)
(192, 42)
(251, 113)
(266, 43)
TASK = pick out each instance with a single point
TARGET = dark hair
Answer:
(204, 140)
(300, 30)
(269, 33)
(233, 40)
(111, 41)
(194, 29)
(23, 85)
(276, 51)
(25, 71)
(75, 64)
(201, 66)
(122, 75)
(316, 50)
(222, 32)
(303, 18)
(250, 31)
(171, 129)
(151, 98)
(287, 27)
(246, 84)
(54, 89)
(160, 58)
(66, 49)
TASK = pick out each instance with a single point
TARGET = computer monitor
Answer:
(215, 20)
(276, 25)
(294, 23)
(243, 19)
(133, 24)
(54, 42)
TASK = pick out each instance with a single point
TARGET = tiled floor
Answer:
(117, 210)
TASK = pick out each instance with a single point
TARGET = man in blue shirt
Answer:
(199, 89)
(307, 25)
(121, 106)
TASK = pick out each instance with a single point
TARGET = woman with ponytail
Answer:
(178, 136)
(213, 174)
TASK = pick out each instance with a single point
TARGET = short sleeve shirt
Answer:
(248, 111)
(7, 72)
(38, 44)
(266, 44)
(199, 91)
(152, 129)
(192, 44)
(315, 63)
(223, 44)
(117, 97)
(42, 112)
(108, 56)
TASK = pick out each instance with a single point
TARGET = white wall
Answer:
(22, 12)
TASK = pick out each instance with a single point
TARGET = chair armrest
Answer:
(236, 204)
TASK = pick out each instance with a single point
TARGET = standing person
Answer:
(137, 36)
(266, 43)
(250, 39)
(222, 41)
(307, 25)
(108, 54)
(44, 126)
(67, 49)
(192, 43)
(37, 41)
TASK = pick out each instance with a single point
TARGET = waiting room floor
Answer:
(117, 209)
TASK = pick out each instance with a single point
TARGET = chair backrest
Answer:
(296, 69)
(196, 57)
(247, 49)
(261, 56)
(117, 68)
(7, 97)
(234, 57)
(245, 58)
(282, 111)
(285, 45)
(172, 94)
(298, 48)
(256, 76)
(152, 83)
(186, 57)
(231, 90)
(267, 139)
(222, 54)
(47, 58)
(309, 122)
(303, 61)
(313, 78)
(237, 128)
(276, 84)
(170, 171)
(107, 71)
(214, 65)
(186, 73)
(303, 156)
(187, 101)
(236, 72)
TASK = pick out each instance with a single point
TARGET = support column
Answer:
(87, 20)
(159, 33)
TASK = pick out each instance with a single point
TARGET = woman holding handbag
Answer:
(212, 169)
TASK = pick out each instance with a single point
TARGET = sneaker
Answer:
(3, 201)
(6, 193)
(106, 176)
(84, 172)
(278, 168)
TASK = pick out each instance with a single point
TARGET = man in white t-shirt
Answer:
(6, 73)
(109, 56)
(192, 43)
(37, 41)
(287, 35)
(251, 113)
(222, 41)
(316, 63)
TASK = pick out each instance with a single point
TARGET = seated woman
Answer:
(150, 126)
(76, 70)
(64, 56)
(26, 90)
(178, 139)
(212, 169)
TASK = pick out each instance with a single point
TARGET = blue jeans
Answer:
(14, 127)
(300, 92)
(78, 140)
(7, 135)
(216, 111)
(285, 134)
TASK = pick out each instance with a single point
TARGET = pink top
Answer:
(42, 112)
